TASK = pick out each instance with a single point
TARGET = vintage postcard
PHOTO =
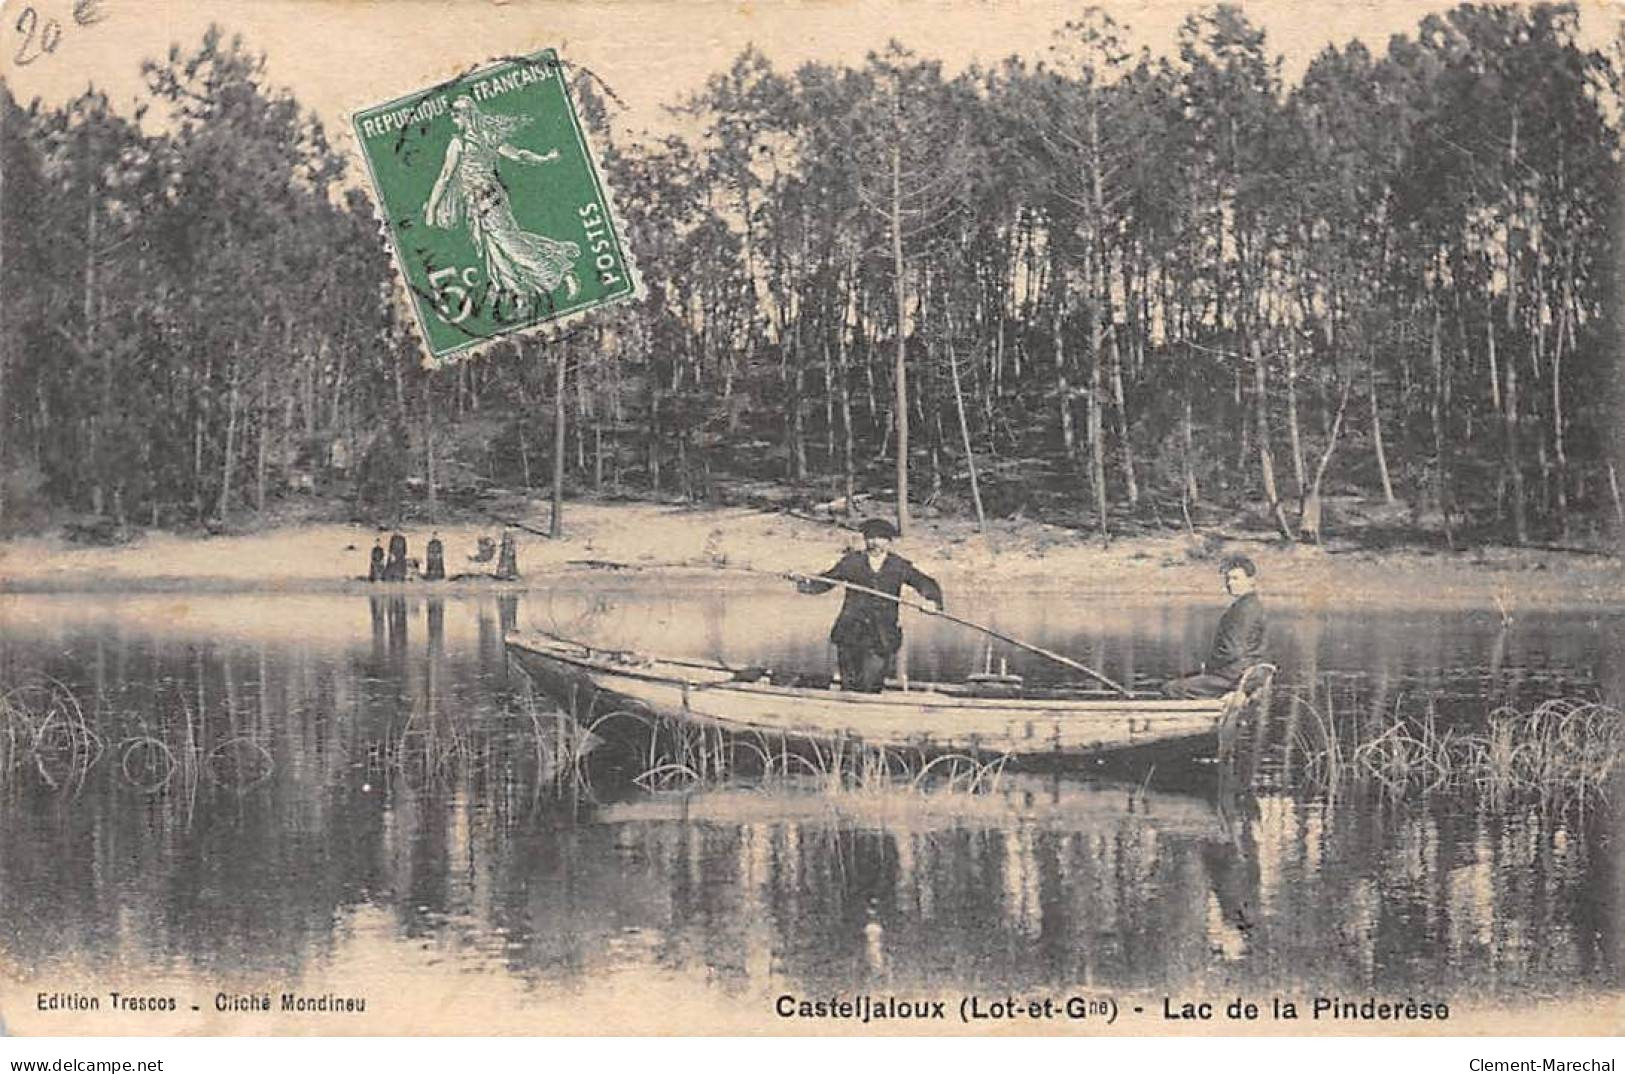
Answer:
(811, 518)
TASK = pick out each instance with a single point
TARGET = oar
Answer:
(794, 576)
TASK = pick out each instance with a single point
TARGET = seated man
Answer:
(1238, 643)
(866, 634)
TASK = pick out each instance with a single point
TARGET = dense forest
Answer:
(1102, 287)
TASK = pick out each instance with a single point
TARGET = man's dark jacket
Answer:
(868, 621)
(1240, 640)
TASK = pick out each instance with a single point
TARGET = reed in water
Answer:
(169, 749)
(48, 735)
(1562, 752)
(683, 757)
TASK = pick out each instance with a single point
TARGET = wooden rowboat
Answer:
(626, 698)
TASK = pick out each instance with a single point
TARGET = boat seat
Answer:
(990, 684)
(801, 680)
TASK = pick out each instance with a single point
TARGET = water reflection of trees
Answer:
(412, 775)
(365, 749)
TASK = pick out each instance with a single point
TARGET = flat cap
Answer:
(878, 527)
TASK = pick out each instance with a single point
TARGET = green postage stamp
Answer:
(495, 207)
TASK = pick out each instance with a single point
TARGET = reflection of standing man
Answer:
(1239, 642)
(866, 633)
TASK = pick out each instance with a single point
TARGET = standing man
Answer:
(434, 561)
(1239, 642)
(395, 569)
(866, 633)
(508, 556)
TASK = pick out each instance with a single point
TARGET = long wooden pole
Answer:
(1065, 661)
(794, 576)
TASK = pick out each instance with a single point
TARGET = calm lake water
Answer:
(354, 794)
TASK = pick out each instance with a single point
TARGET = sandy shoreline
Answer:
(1025, 556)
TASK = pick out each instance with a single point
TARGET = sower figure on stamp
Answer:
(866, 633)
(470, 192)
(1240, 641)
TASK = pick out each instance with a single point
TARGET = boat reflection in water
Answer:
(1038, 880)
(421, 818)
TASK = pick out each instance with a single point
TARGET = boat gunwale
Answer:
(914, 699)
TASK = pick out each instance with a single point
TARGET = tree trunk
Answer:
(264, 432)
(1063, 387)
(1130, 479)
(1266, 457)
(964, 426)
(1509, 425)
(597, 454)
(848, 440)
(1436, 413)
(231, 445)
(900, 373)
(1309, 522)
(1097, 438)
(871, 390)
(99, 418)
(653, 443)
(197, 443)
(555, 528)
(1244, 420)
(1100, 284)
(1294, 436)
(429, 483)
(583, 407)
(1559, 449)
(1187, 437)
(1619, 506)
(1376, 427)
(798, 417)
(829, 406)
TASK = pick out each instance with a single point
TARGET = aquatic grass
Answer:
(169, 749)
(523, 744)
(965, 772)
(190, 767)
(680, 755)
(683, 754)
(1563, 749)
(46, 729)
(239, 764)
(663, 777)
(147, 763)
(1561, 753)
